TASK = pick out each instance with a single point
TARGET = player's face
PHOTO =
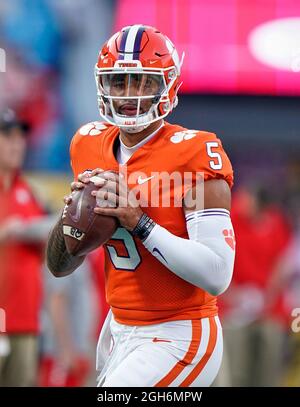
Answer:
(133, 86)
(12, 149)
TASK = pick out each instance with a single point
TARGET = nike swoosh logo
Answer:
(160, 340)
(155, 250)
(141, 180)
(76, 216)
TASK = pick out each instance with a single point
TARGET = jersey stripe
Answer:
(207, 212)
(188, 358)
(203, 216)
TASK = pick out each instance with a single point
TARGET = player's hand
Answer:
(115, 199)
(83, 179)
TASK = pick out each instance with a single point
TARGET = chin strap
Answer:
(134, 129)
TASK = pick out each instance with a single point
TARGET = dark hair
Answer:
(9, 120)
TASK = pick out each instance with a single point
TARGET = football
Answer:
(83, 229)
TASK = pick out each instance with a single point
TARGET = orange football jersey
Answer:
(139, 289)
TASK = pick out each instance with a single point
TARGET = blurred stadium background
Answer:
(241, 79)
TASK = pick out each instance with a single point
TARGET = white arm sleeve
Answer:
(206, 259)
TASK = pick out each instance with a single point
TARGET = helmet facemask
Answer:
(132, 99)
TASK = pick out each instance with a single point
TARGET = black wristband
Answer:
(144, 227)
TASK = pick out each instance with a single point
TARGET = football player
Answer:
(167, 262)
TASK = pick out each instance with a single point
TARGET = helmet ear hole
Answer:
(166, 107)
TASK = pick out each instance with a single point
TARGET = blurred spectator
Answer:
(23, 228)
(43, 59)
(31, 82)
(286, 279)
(255, 327)
(71, 324)
(68, 322)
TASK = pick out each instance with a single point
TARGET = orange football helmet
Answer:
(137, 77)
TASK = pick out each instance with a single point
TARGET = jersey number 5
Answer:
(216, 163)
(129, 262)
